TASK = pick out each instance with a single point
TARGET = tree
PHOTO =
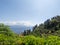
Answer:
(27, 32)
(35, 27)
(47, 24)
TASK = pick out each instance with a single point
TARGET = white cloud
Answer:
(26, 23)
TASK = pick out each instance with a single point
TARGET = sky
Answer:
(28, 12)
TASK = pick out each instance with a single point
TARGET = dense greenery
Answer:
(29, 40)
(32, 40)
(7, 37)
(49, 27)
(47, 33)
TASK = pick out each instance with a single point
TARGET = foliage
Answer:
(47, 33)
(50, 26)
(32, 40)
(7, 37)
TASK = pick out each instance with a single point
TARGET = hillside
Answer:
(47, 33)
(49, 27)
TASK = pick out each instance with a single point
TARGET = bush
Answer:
(32, 40)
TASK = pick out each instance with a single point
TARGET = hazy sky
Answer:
(28, 11)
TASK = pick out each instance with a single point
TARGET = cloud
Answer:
(26, 23)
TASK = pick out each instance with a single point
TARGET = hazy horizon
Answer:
(28, 12)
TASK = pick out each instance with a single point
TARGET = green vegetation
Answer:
(32, 40)
(49, 27)
(47, 33)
